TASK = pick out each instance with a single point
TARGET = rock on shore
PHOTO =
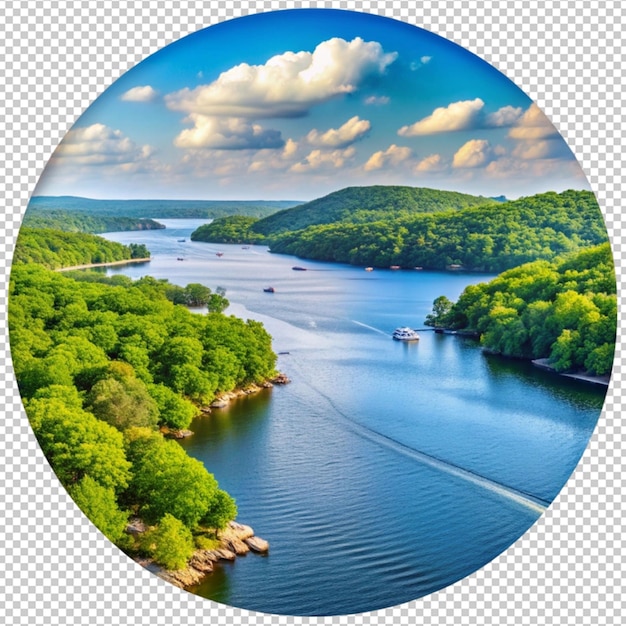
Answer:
(235, 540)
(224, 399)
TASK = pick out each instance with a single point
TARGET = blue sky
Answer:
(296, 104)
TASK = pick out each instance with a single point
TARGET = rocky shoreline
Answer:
(235, 540)
(224, 399)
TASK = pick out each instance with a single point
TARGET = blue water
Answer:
(384, 471)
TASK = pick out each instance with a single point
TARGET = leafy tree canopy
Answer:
(565, 311)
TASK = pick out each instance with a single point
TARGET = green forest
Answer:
(74, 221)
(136, 209)
(367, 204)
(231, 229)
(104, 366)
(490, 237)
(564, 310)
(56, 249)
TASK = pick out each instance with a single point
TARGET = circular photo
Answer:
(313, 313)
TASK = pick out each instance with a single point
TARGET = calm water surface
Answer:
(384, 471)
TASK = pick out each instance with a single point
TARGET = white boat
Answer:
(405, 334)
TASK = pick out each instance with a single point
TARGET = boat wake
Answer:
(376, 330)
(527, 500)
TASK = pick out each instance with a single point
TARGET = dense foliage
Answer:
(232, 229)
(565, 311)
(170, 543)
(366, 204)
(55, 249)
(158, 208)
(102, 363)
(489, 238)
(73, 221)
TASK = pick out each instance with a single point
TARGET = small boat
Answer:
(182, 240)
(180, 258)
(418, 267)
(219, 254)
(369, 269)
(405, 334)
(269, 290)
(245, 247)
(298, 268)
(394, 267)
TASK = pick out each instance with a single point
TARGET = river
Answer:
(384, 471)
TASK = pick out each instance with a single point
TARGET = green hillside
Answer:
(491, 238)
(366, 204)
(55, 249)
(158, 208)
(76, 222)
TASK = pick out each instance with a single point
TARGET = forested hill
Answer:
(76, 222)
(55, 249)
(565, 310)
(366, 204)
(171, 209)
(492, 238)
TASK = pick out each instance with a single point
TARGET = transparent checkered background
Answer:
(57, 57)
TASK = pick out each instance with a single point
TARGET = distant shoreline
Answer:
(110, 263)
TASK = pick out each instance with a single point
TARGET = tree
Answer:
(171, 543)
(221, 511)
(166, 480)
(196, 295)
(138, 251)
(441, 310)
(123, 403)
(77, 444)
(99, 504)
(174, 411)
(217, 303)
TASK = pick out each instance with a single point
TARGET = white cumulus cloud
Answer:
(542, 149)
(462, 115)
(274, 160)
(536, 137)
(354, 129)
(392, 155)
(321, 159)
(432, 163)
(144, 93)
(456, 116)
(505, 116)
(474, 153)
(289, 84)
(99, 144)
(533, 125)
(227, 134)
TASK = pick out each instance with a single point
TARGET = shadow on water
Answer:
(235, 422)
(570, 391)
(217, 585)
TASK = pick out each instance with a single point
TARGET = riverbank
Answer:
(235, 540)
(544, 364)
(224, 399)
(87, 266)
